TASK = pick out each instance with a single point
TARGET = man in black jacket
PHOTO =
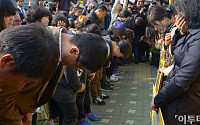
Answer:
(97, 15)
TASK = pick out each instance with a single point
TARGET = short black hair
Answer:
(93, 50)
(102, 8)
(161, 1)
(130, 23)
(34, 49)
(76, 9)
(63, 12)
(140, 21)
(89, 27)
(113, 36)
(60, 17)
(94, 28)
(83, 24)
(120, 31)
(7, 9)
(126, 14)
(125, 48)
(35, 14)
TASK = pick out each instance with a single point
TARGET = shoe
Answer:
(151, 63)
(143, 58)
(107, 88)
(84, 121)
(113, 78)
(136, 62)
(109, 84)
(98, 101)
(91, 116)
(103, 96)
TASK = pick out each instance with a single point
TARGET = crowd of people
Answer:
(60, 60)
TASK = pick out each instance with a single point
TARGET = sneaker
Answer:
(91, 116)
(98, 101)
(113, 78)
(103, 96)
(84, 121)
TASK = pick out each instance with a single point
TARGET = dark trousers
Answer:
(83, 101)
(69, 113)
(54, 109)
(80, 104)
(103, 79)
(136, 54)
(144, 50)
(109, 70)
(140, 50)
(87, 99)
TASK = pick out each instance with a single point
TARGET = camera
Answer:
(51, 5)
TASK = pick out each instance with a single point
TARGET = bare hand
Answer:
(180, 24)
(161, 70)
(108, 64)
(168, 39)
(91, 78)
(155, 108)
(82, 88)
(27, 119)
(61, 23)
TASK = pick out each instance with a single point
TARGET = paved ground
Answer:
(129, 102)
(131, 98)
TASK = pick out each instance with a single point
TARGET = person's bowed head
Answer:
(28, 53)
